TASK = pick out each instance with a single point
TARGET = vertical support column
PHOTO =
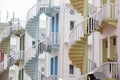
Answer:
(37, 40)
(8, 47)
(85, 14)
(21, 47)
(108, 49)
(85, 57)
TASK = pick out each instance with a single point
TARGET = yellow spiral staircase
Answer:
(78, 5)
(78, 51)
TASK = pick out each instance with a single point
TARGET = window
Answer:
(106, 44)
(71, 69)
(33, 44)
(10, 78)
(40, 46)
(114, 41)
(71, 25)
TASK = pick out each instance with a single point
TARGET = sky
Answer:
(18, 7)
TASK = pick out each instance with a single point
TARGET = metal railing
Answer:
(54, 38)
(93, 22)
(42, 76)
(12, 58)
(10, 61)
(109, 69)
(33, 11)
(53, 77)
(9, 31)
(31, 52)
(91, 9)
(91, 65)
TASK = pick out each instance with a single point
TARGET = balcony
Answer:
(54, 40)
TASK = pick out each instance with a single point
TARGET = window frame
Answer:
(71, 28)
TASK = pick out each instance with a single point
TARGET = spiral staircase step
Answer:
(78, 5)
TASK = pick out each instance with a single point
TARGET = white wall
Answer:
(67, 17)
(96, 49)
(44, 61)
(28, 41)
(26, 77)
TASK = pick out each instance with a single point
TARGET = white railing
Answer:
(31, 52)
(42, 76)
(91, 9)
(9, 31)
(12, 58)
(33, 11)
(10, 61)
(94, 21)
(53, 77)
(109, 69)
(1, 66)
(15, 28)
(54, 38)
(91, 65)
(4, 33)
(17, 55)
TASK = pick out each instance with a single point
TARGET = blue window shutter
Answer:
(53, 24)
(51, 68)
(57, 24)
(56, 65)
(57, 21)
(53, 29)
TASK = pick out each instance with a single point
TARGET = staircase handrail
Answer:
(33, 11)
(40, 76)
(55, 38)
(8, 59)
(53, 77)
(97, 69)
(94, 16)
(29, 15)
(92, 9)
(13, 57)
(6, 32)
(92, 65)
(33, 55)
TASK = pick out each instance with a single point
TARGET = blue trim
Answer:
(56, 65)
(57, 21)
(53, 24)
(51, 68)
(53, 21)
